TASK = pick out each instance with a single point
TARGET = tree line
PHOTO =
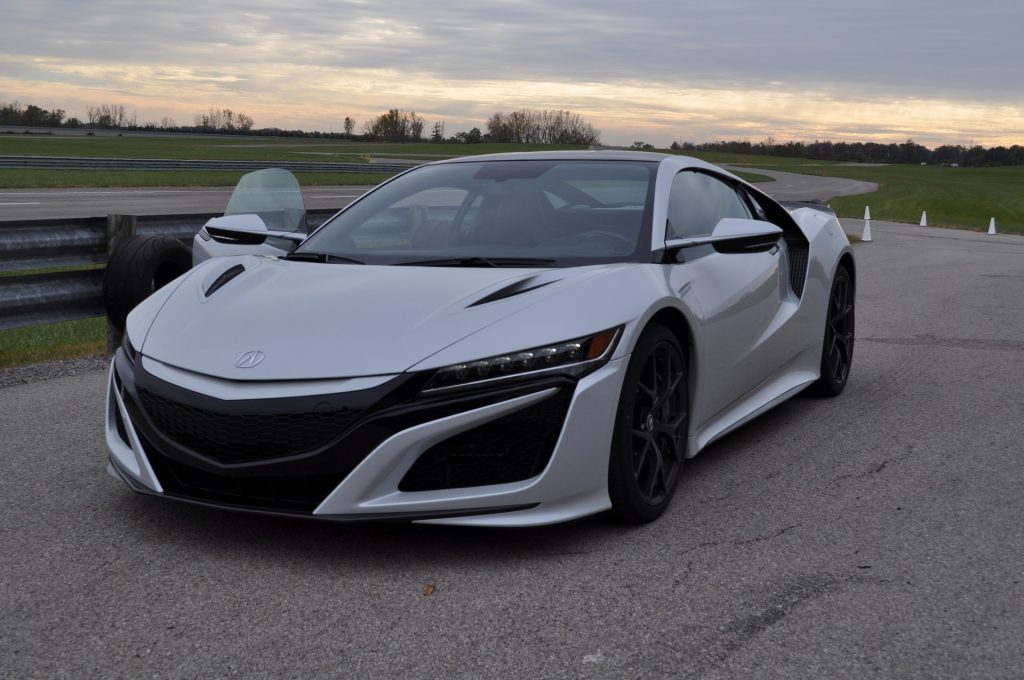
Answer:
(869, 152)
(525, 126)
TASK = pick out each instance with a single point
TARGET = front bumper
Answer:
(364, 475)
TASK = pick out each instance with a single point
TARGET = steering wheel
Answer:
(617, 240)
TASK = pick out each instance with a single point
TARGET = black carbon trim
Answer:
(511, 290)
(378, 517)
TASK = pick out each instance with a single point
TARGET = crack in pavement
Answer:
(929, 340)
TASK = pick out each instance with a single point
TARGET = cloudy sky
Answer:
(939, 71)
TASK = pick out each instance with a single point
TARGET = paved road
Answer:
(27, 204)
(874, 535)
(24, 204)
(792, 186)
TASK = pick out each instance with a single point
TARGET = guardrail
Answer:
(71, 162)
(26, 245)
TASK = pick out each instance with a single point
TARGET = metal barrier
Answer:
(26, 245)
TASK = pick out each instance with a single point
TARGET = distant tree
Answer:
(109, 116)
(473, 136)
(349, 125)
(644, 146)
(437, 132)
(395, 126)
(541, 127)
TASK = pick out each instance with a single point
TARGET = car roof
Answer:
(591, 155)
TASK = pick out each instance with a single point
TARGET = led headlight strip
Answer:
(129, 349)
(572, 357)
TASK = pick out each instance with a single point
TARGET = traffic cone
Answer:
(924, 218)
(866, 236)
(992, 227)
(867, 212)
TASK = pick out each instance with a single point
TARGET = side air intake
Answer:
(226, 276)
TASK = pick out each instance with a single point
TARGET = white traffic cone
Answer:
(992, 226)
(866, 236)
(867, 212)
(924, 218)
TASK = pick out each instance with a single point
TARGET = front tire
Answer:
(837, 352)
(649, 440)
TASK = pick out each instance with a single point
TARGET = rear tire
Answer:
(140, 266)
(837, 350)
(651, 422)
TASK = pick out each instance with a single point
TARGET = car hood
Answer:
(310, 320)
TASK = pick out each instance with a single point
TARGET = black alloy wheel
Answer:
(649, 442)
(837, 352)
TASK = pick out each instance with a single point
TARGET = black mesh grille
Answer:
(297, 493)
(797, 266)
(232, 438)
(509, 449)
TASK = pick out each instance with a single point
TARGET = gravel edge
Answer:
(21, 375)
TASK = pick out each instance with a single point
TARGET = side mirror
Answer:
(734, 235)
(246, 230)
(731, 235)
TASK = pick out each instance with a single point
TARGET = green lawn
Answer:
(953, 197)
(51, 341)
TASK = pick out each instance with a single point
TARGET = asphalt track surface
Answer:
(878, 534)
(26, 204)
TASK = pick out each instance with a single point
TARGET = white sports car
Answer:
(505, 340)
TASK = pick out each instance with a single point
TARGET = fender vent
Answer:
(797, 265)
(221, 280)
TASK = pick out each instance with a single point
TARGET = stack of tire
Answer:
(137, 268)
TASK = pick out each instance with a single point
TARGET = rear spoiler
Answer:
(813, 205)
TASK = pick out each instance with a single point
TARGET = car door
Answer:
(738, 294)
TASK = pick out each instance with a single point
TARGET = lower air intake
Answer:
(298, 493)
(510, 449)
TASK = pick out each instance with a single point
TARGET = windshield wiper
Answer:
(325, 258)
(481, 262)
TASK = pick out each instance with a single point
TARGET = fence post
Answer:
(119, 229)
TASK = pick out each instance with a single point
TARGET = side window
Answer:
(698, 201)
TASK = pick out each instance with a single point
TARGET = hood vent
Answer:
(226, 276)
(513, 289)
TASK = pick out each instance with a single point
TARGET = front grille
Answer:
(238, 438)
(510, 449)
(288, 493)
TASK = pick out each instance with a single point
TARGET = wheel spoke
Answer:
(639, 466)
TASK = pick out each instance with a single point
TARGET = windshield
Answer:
(274, 195)
(488, 213)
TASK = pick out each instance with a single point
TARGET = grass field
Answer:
(52, 341)
(953, 197)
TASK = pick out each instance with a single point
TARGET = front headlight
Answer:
(129, 351)
(572, 357)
